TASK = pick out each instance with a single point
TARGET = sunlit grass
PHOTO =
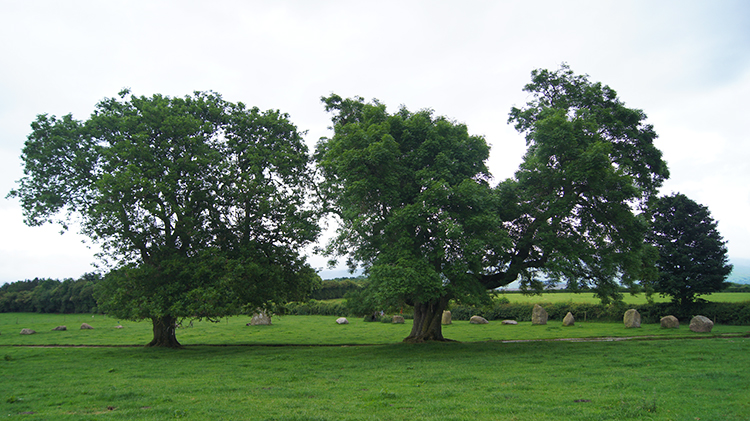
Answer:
(306, 330)
(639, 380)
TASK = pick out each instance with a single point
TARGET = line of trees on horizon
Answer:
(44, 295)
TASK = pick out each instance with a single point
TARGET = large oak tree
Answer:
(576, 207)
(200, 204)
(414, 201)
(417, 210)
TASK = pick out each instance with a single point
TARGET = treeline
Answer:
(50, 295)
(77, 295)
(733, 287)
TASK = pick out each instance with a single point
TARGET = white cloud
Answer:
(685, 63)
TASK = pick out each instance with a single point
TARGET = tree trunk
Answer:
(164, 332)
(428, 321)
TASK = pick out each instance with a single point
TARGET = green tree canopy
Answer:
(574, 208)
(412, 193)
(693, 257)
(417, 210)
(201, 204)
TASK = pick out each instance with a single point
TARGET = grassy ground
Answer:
(639, 380)
(304, 330)
(680, 376)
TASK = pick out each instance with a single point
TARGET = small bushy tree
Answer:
(693, 257)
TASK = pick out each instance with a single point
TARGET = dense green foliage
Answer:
(50, 295)
(693, 257)
(331, 289)
(201, 204)
(733, 287)
(573, 208)
(412, 191)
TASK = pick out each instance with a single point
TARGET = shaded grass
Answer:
(640, 380)
(306, 330)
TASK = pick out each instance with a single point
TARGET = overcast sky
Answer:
(685, 63)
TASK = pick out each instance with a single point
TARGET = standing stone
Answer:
(342, 321)
(27, 331)
(538, 315)
(260, 319)
(510, 322)
(478, 320)
(61, 328)
(632, 318)
(669, 322)
(701, 324)
(398, 319)
(86, 326)
(446, 317)
(569, 320)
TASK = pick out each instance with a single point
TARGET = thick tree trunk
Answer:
(428, 321)
(164, 332)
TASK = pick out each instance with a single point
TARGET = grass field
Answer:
(674, 378)
(306, 330)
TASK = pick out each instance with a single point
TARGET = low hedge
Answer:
(316, 308)
(724, 313)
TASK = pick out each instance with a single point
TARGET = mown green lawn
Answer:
(252, 373)
(679, 379)
(305, 330)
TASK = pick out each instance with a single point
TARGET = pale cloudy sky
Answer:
(685, 63)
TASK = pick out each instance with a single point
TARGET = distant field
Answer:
(719, 297)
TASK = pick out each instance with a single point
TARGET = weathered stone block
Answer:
(260, 319)
(632, 318)
(569, 320)
(701, 324)
(478, 320)
(446, 317)
(538, 315)
(669, 322)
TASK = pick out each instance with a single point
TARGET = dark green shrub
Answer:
(316, 308)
